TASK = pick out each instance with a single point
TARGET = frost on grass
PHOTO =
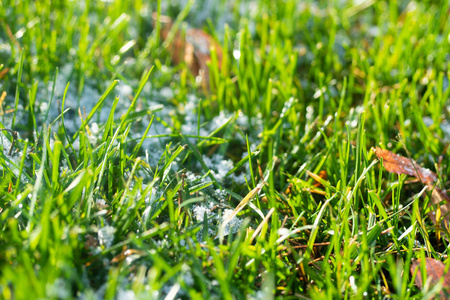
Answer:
(254, 126)
(151, 202)
(60, 289)
(257, 295)
(200, 213)
(94, 133)
(233, 225)
(126, 295)
(220, 167)
(214, 218)
(106, 236)
(213, 211)
(101, 202)
(171, 287)
(192, 127)
(13, 161)
(160, 103)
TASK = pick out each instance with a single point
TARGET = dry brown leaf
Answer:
(194, 49)
(435, 271)
(401, 165)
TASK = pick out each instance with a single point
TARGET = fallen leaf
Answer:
(401, 165)
(434, 272)
(194, 49)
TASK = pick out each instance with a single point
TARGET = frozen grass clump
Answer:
(106, 236)
(213, 214)
(219, 167)
(59, 289)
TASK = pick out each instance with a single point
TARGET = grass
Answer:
(129, 181)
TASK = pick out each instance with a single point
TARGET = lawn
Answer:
(138, 161)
